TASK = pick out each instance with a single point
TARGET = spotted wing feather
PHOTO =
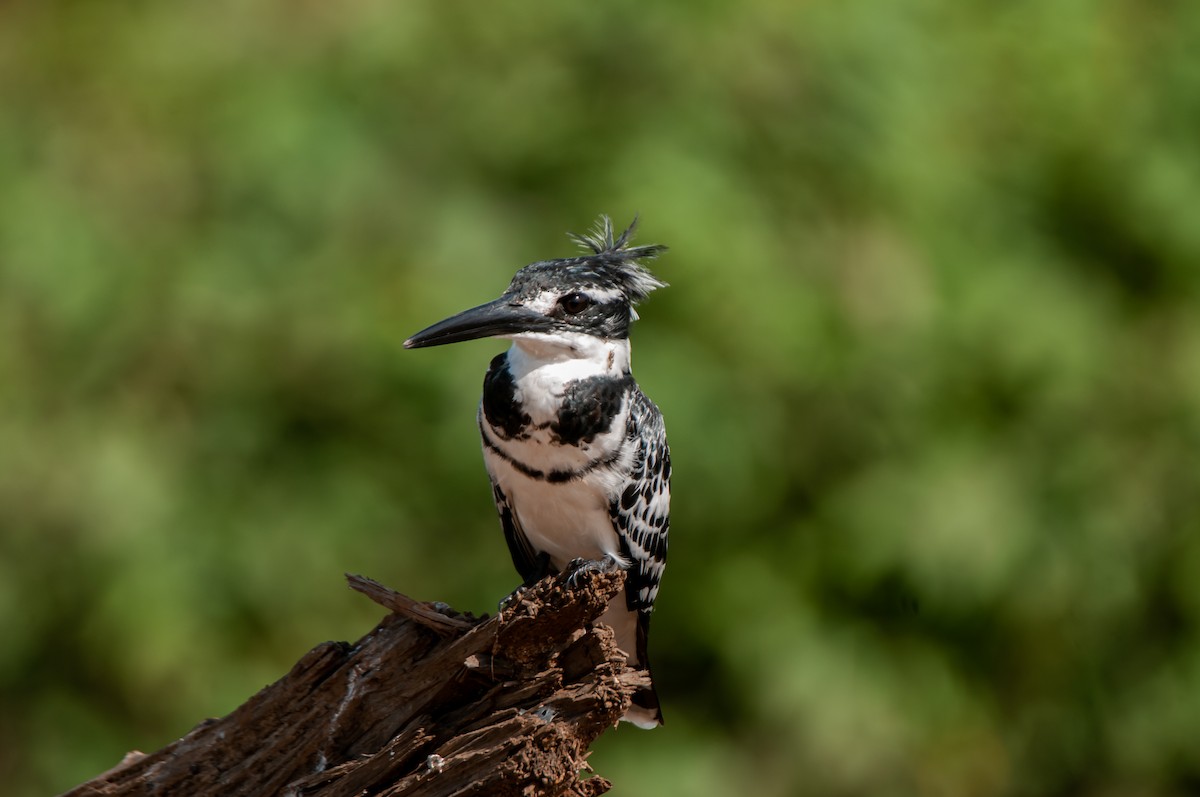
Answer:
(642, 512)
(641, 515)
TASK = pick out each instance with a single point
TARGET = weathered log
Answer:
(430, 702)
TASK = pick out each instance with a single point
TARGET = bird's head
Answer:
(591, 295)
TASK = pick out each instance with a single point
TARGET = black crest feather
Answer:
(618, 259)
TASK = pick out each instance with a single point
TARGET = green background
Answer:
(930, 364)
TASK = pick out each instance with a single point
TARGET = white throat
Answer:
(592, 356)
(543, 363)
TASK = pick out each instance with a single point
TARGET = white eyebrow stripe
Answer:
(603, 295)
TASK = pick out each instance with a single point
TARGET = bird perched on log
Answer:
(577, 455)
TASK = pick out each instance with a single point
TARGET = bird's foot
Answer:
(512, 597)
(580, 569)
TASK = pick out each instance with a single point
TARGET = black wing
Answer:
(642, 512)
(641, 515)
(530, 564)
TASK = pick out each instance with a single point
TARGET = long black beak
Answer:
(501, 317)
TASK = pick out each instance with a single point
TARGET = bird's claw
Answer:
(583, 568)
(511, 598)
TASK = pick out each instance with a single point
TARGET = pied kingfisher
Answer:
(576, 453)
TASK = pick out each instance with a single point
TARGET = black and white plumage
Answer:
(577, 454)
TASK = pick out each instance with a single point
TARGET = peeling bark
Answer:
(430, 702)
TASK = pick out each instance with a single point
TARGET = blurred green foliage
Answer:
(930, 365)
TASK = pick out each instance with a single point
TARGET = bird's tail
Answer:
(631, 629)
(645, 711)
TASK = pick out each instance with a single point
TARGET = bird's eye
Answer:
(574, 303)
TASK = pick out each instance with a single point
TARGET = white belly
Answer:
(567, 520)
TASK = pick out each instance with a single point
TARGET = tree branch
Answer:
(431, 702)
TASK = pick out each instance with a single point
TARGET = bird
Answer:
(576, 453)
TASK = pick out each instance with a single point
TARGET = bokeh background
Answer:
(930, 363)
